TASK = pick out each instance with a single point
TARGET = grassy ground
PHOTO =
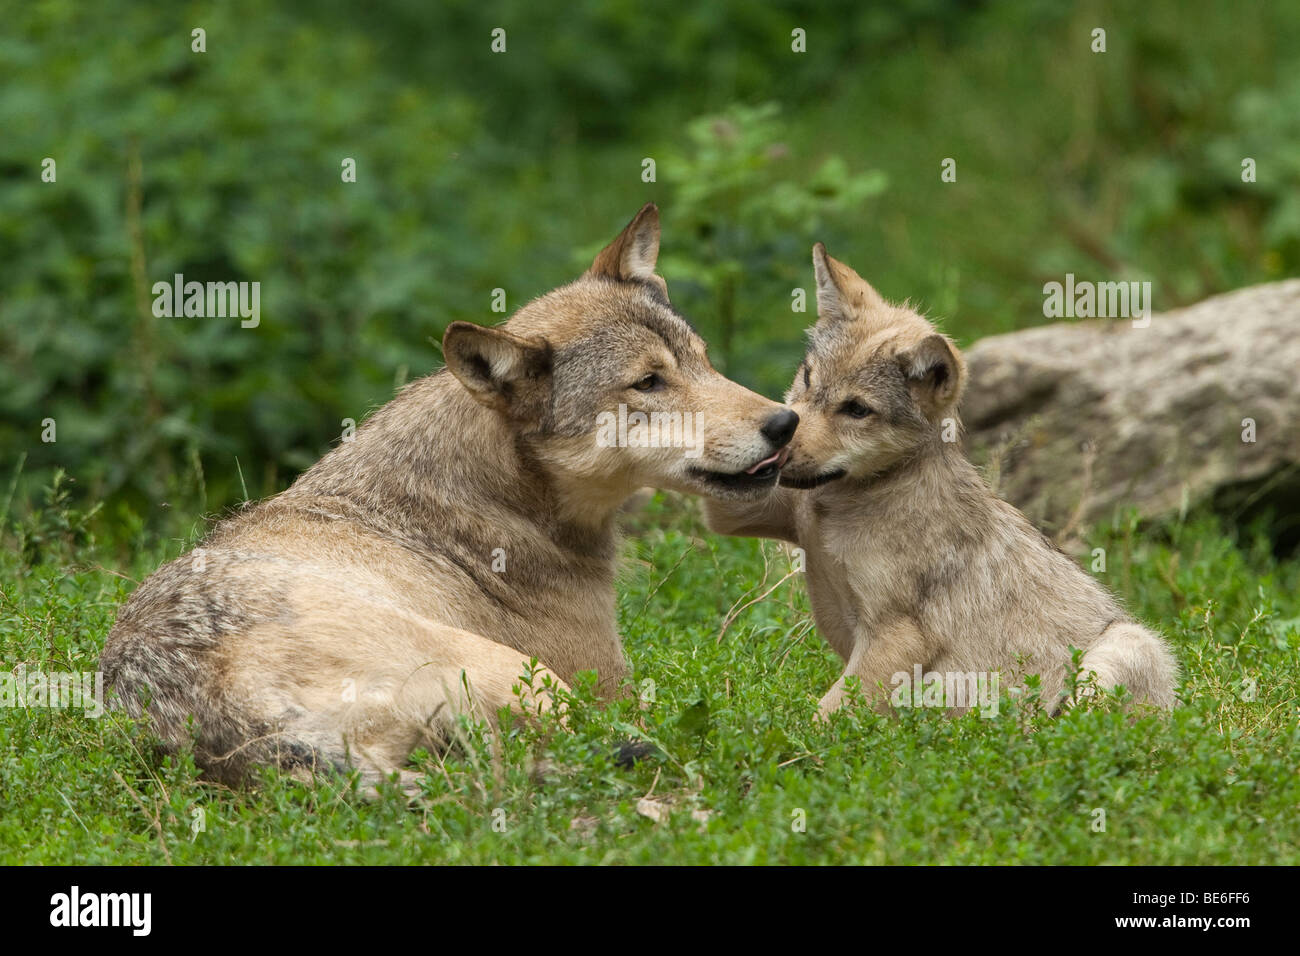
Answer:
(505, 171)
(747, 775)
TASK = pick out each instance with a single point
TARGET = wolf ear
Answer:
(936, 373)
(633, 254)
(842, 294)
(503, 371)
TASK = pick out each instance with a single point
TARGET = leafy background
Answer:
(479, 170)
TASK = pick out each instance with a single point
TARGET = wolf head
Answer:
(875, 385)
(611, 388)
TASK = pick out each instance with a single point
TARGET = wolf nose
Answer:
(779, 429)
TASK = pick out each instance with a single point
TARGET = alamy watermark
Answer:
(1100, 300)
(130, 910)
(211, 300)
(653, 430)
(950, 689)
(57, 690)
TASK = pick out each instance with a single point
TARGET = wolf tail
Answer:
(1129, 654)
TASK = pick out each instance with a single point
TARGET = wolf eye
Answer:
(854, 409)
(649, 383)
(807, 375)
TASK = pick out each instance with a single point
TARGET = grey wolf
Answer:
(413, 573)
(912, 563)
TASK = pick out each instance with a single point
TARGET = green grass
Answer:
(225, 165)
(743, 757)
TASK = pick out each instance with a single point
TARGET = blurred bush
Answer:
(223, 166)
(739, 220)
(478, 170)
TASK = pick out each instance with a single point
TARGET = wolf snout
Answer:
(779, 428)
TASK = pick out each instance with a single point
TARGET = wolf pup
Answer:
(912, 563)
(413, 572)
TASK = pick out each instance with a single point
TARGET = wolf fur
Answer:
(910, 559)
(413, 573)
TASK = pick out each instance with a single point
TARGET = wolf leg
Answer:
(366, 687)
(768, 517)
(874, 661)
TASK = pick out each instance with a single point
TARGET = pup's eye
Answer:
(807, 376)
(854, 409)
(649, 383)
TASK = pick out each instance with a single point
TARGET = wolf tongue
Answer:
(765, 461)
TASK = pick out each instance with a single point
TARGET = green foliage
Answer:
(741, 757)
(478, 171)
(739, 216)
(595, 73)
(58, 528)
(1266, 128)
(220, 166)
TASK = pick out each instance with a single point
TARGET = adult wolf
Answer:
(468, 527)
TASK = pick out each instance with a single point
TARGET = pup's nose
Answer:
(779, 429)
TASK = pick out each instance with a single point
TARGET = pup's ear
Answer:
(503, 371)
(633, 254)
(936, 373)
(842, 294)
